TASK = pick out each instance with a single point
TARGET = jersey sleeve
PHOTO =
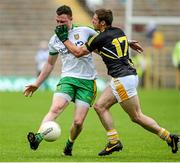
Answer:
(93, 43)
(52, 50)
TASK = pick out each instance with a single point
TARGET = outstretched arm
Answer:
(80, 51)
(77, 51)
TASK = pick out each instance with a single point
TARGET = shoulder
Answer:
(116, 29)
(82, 27)
(54, 40)
(55, 45)
(93, 42)
(86, 29)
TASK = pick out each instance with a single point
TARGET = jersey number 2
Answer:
(117, 42)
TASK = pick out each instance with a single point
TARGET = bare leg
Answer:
(102, 106)
(58, 105)
(79, 116)
(132, 107)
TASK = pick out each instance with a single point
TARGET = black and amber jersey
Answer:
(112, 45)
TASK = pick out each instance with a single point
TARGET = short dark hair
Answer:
(64, 10)
(106, 15)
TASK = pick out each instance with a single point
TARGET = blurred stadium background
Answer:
(25, 23)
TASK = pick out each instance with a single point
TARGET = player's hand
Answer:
(135, 46)
(62, 32)
(30, 89)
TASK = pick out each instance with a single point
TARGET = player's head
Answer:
(102, 18)
(64, 15)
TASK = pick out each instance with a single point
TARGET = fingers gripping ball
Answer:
(50, 130)
(62, 32)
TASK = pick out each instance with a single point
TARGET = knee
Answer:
(78, 122)
(97, 108)
(136, 118)
(55, 109)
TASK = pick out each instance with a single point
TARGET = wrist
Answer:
(64, 40)
(130, 41)
(36, 85)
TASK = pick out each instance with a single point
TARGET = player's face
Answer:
(95, 22)
(64, 20)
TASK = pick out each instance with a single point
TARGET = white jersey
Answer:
(72, 66)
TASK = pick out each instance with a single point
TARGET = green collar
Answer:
(74, 26)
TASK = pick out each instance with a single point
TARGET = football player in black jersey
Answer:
(112, 44)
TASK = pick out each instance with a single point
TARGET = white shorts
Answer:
(124, 87)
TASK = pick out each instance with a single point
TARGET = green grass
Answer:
(19, 115)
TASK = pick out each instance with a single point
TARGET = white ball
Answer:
(51, 131)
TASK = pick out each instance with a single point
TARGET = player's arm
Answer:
(62, 34)
(135, 46)
(80, 51)
(75, 50)
(48, 67)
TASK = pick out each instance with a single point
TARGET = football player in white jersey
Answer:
(77, 81)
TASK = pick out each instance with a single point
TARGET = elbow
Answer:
(77, 56)
(78, 53)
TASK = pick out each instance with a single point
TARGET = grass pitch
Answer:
(19, 115)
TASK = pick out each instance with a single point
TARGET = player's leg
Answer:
(61, 98)
(102, 108)
(56, 108)
(80, 114)
(59, 103)
(81, 111)
(84, 97)
(131, 105)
